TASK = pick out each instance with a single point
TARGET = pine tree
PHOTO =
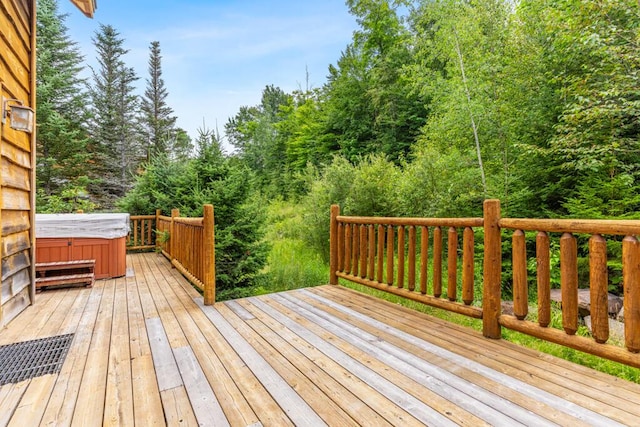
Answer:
(115, 131)
(158, 122)
(61, 118)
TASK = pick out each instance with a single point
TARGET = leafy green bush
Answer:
(68, 199)
(369, 188)
(437, 184)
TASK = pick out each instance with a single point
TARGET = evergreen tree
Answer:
(61, 137)
(158, 122)
(210, 177)
(114, 126)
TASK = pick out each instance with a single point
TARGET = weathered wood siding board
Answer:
(16, 155)
(15, 222)
(15, 176)
(17, 28)
(14, 243)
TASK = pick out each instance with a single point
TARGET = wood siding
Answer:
(17, 81)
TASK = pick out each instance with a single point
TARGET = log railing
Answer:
(394, 255)
(188, 243)
(142, 235)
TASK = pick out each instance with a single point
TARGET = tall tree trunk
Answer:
(473, 122)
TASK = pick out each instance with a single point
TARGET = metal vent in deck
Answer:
(29, 359)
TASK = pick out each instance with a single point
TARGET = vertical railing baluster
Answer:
(355, 250)
(599, 288)
(347, 247)
(412, 258)
(340, 248)
(569, 282)
(519, 265)
(437, 262)
(363, 250)
(452, 264)
(631, 284)
(401, 256)
(372, 251)
(424, 257)
(390, 248)
(380, 257)
(467, 265)
(543, 273)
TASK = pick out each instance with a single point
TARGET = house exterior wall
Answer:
(17, 158)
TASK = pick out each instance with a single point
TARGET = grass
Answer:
(291, 263)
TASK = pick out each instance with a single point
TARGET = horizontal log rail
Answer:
(395, 254)
(189, 244)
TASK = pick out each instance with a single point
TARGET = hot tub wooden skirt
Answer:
(109, 254)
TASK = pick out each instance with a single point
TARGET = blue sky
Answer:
(219, 55)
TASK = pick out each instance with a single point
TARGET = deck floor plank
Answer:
(35, 320)
(397, 388)
(90, 405)
(147, 351)
(119, 393)
(311, 364)
(308, 389)
(10, 396)
(177, 408)
(230, 397)
(147, 404)
(61, 405)
(508, 359)
(31, 407)
(447, 368)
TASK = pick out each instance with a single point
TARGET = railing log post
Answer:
(172, 242)
(157, 227)
(519, 265)
(569, 282)
(209, 256)
(491, 295)
(333, 244)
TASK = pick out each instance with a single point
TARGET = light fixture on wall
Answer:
(21, 117)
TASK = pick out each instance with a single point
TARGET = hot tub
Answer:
(70, 237)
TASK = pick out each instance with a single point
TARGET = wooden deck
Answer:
(146, 352)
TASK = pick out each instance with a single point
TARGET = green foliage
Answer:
(61, 137)
(209, 178)
(368, 188)
(69, 199)
(441, 184)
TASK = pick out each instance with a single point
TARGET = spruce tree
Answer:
(158, 122)
(61, 119)
(114, 126)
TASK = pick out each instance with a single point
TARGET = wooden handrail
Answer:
(363, 248)
(188, 243)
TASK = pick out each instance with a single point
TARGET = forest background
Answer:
(434, 106)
